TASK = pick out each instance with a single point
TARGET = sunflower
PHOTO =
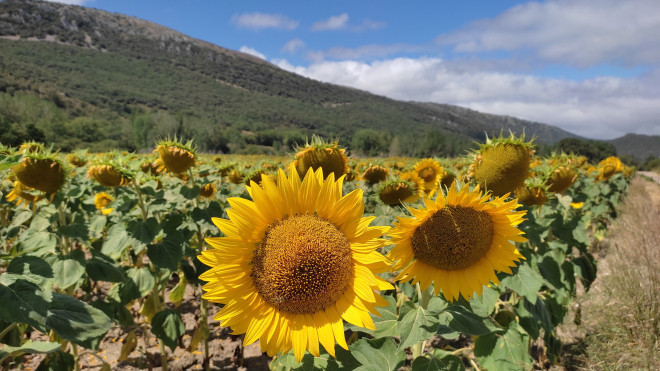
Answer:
(397, 191)
(42, 172)
(109, 175)
(431, 172)
(457, 242)
(176, 157)
(207, 190)
(608, 167)
(22, 194)
(294, 263)
(502, 164)
(101, 201)
(561, 179)
(375, 174)
(532, 195)
(319, 154)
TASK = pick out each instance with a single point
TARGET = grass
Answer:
(622, 312)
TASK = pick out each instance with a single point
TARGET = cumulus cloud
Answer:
(258, 21)
(251, 51)
(601, 107)
(292, 46)
(333, 23)
(579, 32)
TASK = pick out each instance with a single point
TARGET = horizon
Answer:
(588, 67)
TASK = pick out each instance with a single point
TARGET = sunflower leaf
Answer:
(508, 351)
(526, 282)
(416, 324)
(467, 322)
(168, 326)
(378, 354)
(438, 360)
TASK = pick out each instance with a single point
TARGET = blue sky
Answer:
(591, 67)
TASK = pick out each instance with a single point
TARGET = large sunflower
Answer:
(294, 262)
(457, 242)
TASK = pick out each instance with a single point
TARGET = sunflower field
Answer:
(328, 262)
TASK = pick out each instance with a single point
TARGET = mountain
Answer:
(82, 77)
(637, 145)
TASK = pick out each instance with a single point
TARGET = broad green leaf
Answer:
(39, 223)
(77, 321)
(190, 193)
(168, 252)
(168, 326)
(444, 330)
(21, 216)
(32, 347)
(100, 268)
(508, 351)
(438, 359)
(97, 223)
(549, 268)
(124, 292)
(484, 304)
(470, 323)
(416, 325)
(525, 282)
(7, 161)
(176, 295)
(386, 323)
(144, 231)
(75, 230)
(36, 269)
(57, 361)
(38, 243)
(116, 242)
(143, 279)
(24, 301)
(585, 267)
(377, 354)
(67, 270)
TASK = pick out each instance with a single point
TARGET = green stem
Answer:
(423, 298)
(9, 328)
(74, 350)
(62, 220)
(140, 201)
(163, 356)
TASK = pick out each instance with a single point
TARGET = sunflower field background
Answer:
(113, 247)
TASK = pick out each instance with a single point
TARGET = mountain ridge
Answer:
(154, 70)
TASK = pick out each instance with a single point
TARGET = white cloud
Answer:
(602, 107)
(579, 32)
(257, 21)
(70, 2)
(368, 25)
(367, 51)
(333, 23)
(251, 51)
(293, 46)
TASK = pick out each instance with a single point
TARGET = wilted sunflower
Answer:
(207, 190)
(77, 159)
(502, 164)
(397, 191)
(101, 201)
(109, 175)
(431, 172)
(40, 171)
(375, 174)
(295, 261)
(319, 154)
(31, 147)
(457, 242)
(22, 194)
(561, 179)
(532, 195)
(176, 157)
(608, 167)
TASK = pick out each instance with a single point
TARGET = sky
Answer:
(591, 67)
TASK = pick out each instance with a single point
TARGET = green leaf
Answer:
(7, 161)
(416, 324)
(168, 326)
(32, 347)
(509, 351)
(484, 304)
(37, 269)
(116, 242)
(21, 216)
(24, 301)
(57, 361)
(102, 268)
(97, 223)
(549, 268)
(77, 321)
(75, 230)
(67, 270)
(143, 279)
(39, 223)
(386, 323)
(144, 231)
(38, 243)
(377, 354)
(190, 193)
(438, 360)
(525, 282)
(585, 267)
(168, 252)
(470, 323)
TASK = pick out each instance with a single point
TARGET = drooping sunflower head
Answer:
(375, 174)
(77, 159)
(431, 172)
(608, 167)
(32, 147)
(236, 177)
(294, 263)
(531, 195)
(43, 172)
(176, 157)
(102, 200)
(109, 174)
(458, 242)
(397, 191)
(320, 154)
(207, 190)
(255, 176)
(447, 179)
(560, 179)
(22, 194)
(502, 164)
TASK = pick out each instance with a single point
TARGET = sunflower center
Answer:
(303, 264)
(428, 174)
(455, 237)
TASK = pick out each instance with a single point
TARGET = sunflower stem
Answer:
(140, 201)
(8, 329)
